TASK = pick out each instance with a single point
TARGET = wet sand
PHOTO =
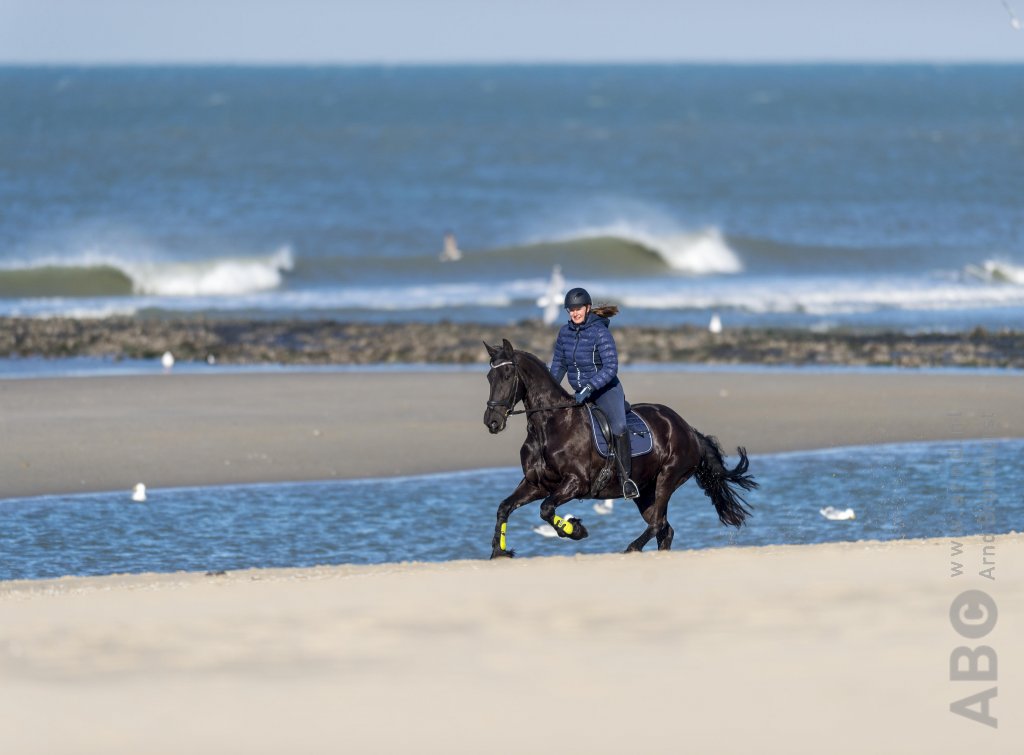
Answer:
(108, 433)
(841, 648)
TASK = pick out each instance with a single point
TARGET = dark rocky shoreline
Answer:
(328, 342)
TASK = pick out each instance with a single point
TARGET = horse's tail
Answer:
(717, 481)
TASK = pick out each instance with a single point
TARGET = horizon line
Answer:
(540, 62)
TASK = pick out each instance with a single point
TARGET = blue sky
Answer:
(434, 31)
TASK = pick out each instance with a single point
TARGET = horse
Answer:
(560, 462)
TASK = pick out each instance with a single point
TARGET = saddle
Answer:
(641, 440)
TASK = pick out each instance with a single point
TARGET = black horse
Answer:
(560, 462)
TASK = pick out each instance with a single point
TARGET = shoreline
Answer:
(67, 435)
(247, 341)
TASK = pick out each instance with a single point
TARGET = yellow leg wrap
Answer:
(562, 524)
(501, 540)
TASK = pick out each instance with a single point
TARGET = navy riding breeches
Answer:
(612, 401)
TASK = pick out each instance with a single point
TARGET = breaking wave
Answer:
(997, 271)
(703, 252)
(99, 275)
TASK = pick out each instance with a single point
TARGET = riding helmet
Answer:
(577, 297)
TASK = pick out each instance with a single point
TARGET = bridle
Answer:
(512, 400)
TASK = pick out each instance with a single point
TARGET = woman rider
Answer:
(586, 351)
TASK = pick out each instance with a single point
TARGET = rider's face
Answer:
(579, 314)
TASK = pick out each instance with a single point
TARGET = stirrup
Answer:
(629, 489)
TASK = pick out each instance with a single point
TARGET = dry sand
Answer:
(88, 434)
(841, 648)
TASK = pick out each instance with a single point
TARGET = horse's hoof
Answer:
(498, 553)
(578, 530)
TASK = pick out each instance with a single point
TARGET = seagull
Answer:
(837, 515)
(715, 326)
(553, 298)
(139, 492)
(451, 251)
(605, 507)
(1014, 21)
(167, 360)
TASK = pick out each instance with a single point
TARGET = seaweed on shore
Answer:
(330, 342)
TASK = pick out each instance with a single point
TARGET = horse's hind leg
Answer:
(665, 536)
(522, 495)
(653, 506)
(645, 505)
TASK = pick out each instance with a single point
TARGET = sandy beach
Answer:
(799, 649)
(840, 647)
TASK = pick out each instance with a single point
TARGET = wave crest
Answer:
(223, 277)
(94, 274)
(703, 252)
(997, 271)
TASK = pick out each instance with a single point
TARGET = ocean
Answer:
(894, 491)
(804, 196)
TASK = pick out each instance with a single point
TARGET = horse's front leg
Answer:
(522, 495)
(571, 528)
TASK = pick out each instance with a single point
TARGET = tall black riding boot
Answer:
(625, 461)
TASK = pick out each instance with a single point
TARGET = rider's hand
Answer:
(583, 393)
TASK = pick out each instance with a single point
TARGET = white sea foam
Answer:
(815, 296)
(219, 277)
(80, 309)
(997, 271)
(827, 297)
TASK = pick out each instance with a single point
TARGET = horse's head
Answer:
(507, 387)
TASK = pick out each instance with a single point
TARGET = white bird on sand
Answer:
(139, 492)
(553, 298)
(715, 326)
(837, 515)
(605, 507)
(167, 360)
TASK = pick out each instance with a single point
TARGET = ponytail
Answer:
(605, 310)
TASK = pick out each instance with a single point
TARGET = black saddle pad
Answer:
(640, 439)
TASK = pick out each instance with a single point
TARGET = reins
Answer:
(507, 405)
(544, 409)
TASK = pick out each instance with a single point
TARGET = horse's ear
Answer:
(491, 350)
(506, 346)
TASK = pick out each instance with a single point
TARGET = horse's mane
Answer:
(541, 367)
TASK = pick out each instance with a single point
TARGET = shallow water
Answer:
(897, 491)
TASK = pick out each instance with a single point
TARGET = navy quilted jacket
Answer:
(586, 352)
